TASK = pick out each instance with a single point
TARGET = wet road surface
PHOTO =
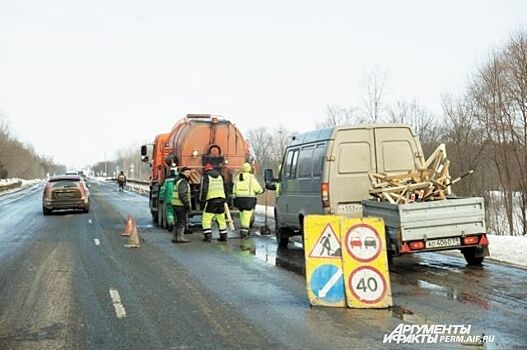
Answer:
(56, 281)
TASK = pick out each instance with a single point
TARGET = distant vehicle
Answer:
(65, 192)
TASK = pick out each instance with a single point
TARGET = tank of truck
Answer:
(199, 139)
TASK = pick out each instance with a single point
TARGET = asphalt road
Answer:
(61, 290)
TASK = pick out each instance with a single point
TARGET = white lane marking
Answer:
(116, 300)
(97, 242)
(89, 221)
(324, 291)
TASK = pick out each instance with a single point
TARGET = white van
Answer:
(326, 171)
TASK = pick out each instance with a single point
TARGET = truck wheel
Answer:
(154, 217)
(282, 234)
(470, 256)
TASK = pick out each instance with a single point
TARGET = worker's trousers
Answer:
(169, 213)
(245, 221)
(206, 221)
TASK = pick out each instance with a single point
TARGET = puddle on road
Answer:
(453, 294)
(291, 259)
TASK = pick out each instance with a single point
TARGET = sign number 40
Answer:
(369, 284)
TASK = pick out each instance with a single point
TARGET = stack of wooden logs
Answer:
(430, 182)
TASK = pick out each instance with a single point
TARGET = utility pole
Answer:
(105, 166)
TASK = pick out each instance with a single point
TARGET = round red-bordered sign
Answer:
(365, 287)
(363, 242)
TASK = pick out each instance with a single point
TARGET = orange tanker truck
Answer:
(194, 141)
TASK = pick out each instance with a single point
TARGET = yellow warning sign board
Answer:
(322, 249)
(365, 263)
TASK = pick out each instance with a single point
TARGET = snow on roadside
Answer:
(507, 249)
(30, 182)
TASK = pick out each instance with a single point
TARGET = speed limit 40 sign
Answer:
(365, 263)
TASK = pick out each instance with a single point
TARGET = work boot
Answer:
(243, 234)
(207, 237)
(223, 237)
(180, 238)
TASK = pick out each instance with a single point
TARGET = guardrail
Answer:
(10, 186)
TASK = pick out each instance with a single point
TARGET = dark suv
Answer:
(65, 192)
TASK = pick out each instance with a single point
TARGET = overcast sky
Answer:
(79, 79)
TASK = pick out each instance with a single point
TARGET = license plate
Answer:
(443, 242)
(66, 195)
(349, 208)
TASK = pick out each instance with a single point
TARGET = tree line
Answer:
(18, 160)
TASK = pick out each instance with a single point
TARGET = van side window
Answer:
(318, 159)
(290, 165)
(305, 165)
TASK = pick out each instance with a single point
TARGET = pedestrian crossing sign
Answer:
(327, 245)
(322, 249)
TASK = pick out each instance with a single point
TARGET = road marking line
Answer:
(97, 242)
(89, 221)
(116, 300)
(324, 291)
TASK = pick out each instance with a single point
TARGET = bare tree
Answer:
(466, 144)
(269, 145)
(426, 124)
(500, 93)
(373, 85)
(336, 115)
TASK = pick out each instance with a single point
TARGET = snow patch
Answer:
(508, 249)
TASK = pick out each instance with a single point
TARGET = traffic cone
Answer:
(128, 227)
(133, 239)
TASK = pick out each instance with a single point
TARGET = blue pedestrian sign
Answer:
(327, 283)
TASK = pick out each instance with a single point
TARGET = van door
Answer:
(396, 150)
(351, 159)
(288, 187)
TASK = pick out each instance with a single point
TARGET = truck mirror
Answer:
(143, 151)
(268, 175)
(144, 159)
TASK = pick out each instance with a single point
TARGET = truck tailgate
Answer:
(429, 220)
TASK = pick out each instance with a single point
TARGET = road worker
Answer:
(167, 191)
(212, 197)
(244, 191)
(121, 181)
(181, 204)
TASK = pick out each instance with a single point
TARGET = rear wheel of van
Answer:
(282, 234)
